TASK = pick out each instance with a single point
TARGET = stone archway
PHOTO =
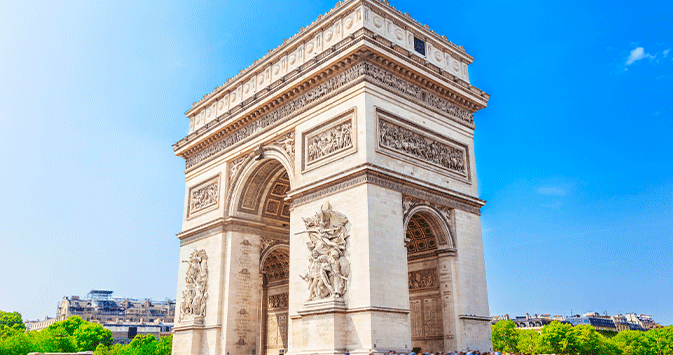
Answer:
(275, 295)
(428, 240)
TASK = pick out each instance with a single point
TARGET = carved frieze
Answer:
(329, 141)
(362, 70)
(423, 279)
(195, 295)
(329, 268)
(421, 145)
(279, 301)
(204, 197)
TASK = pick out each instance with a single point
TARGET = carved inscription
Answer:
(426, 320)
(195, 296)
(243, 290)
(204, 196)
(422, 279)
(324, 144)
(372, 73)
(401, 139)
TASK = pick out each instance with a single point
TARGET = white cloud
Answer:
(551, 190)
(666, 53)
(638, 54)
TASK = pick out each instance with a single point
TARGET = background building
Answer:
(100, 307)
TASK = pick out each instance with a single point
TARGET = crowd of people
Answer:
(469, 352)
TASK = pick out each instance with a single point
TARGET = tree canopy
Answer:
(564, 339)
(72, 335)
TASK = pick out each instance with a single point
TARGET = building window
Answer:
(419, 46)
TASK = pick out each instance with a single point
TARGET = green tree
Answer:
(504, 336)
(89, 335)
(661, 340)
(554, 338)
(67, 326)
(632, 342)
(528, 341)
(584, 340)
(11, 320)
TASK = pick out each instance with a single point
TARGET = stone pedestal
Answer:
(323, 324)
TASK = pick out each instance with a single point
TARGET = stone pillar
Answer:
(472, 308)
(374, 313)
(446, 292)
(242, 292)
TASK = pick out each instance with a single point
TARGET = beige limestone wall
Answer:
(242, 293)
(412, 167)
(205, 338)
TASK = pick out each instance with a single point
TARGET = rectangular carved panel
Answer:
(329, 141)
(204, 197)
(423, 280)
(415, 144)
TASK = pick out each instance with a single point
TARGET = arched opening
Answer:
(276, 267)
(259, 191)
(425, 304)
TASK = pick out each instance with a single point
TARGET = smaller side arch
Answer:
(265, 253)
(439, 224)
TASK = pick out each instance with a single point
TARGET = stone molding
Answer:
(338, 23)
(380, 178)
(363, 70)
(475, 317)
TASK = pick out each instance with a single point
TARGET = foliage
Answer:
(88, 336)
(72, 335)
(504, 335)
(528, 341)
(555, 338)
(560, 338)
(140, 345)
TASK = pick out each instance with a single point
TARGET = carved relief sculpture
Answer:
(422, 279)
(278, 301)
(194, 297)
(204, 196)
(398, 138)
(333, 140)
(329, 268)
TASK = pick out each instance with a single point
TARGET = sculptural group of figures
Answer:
(195, 296)
(329, 268)
(328, 142)
(402, 139)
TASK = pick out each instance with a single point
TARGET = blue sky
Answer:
(574, 152)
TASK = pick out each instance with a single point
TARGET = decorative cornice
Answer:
(382, 179)
(475, 317)
(328, 21)
(425, 95)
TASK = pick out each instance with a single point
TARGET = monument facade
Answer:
(331, 199)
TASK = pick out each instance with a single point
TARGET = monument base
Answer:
(323, 326)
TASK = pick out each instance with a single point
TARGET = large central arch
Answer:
(257, 202)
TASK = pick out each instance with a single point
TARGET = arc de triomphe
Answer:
(331, 197)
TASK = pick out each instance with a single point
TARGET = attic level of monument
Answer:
(281, 89)
(343, 10)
